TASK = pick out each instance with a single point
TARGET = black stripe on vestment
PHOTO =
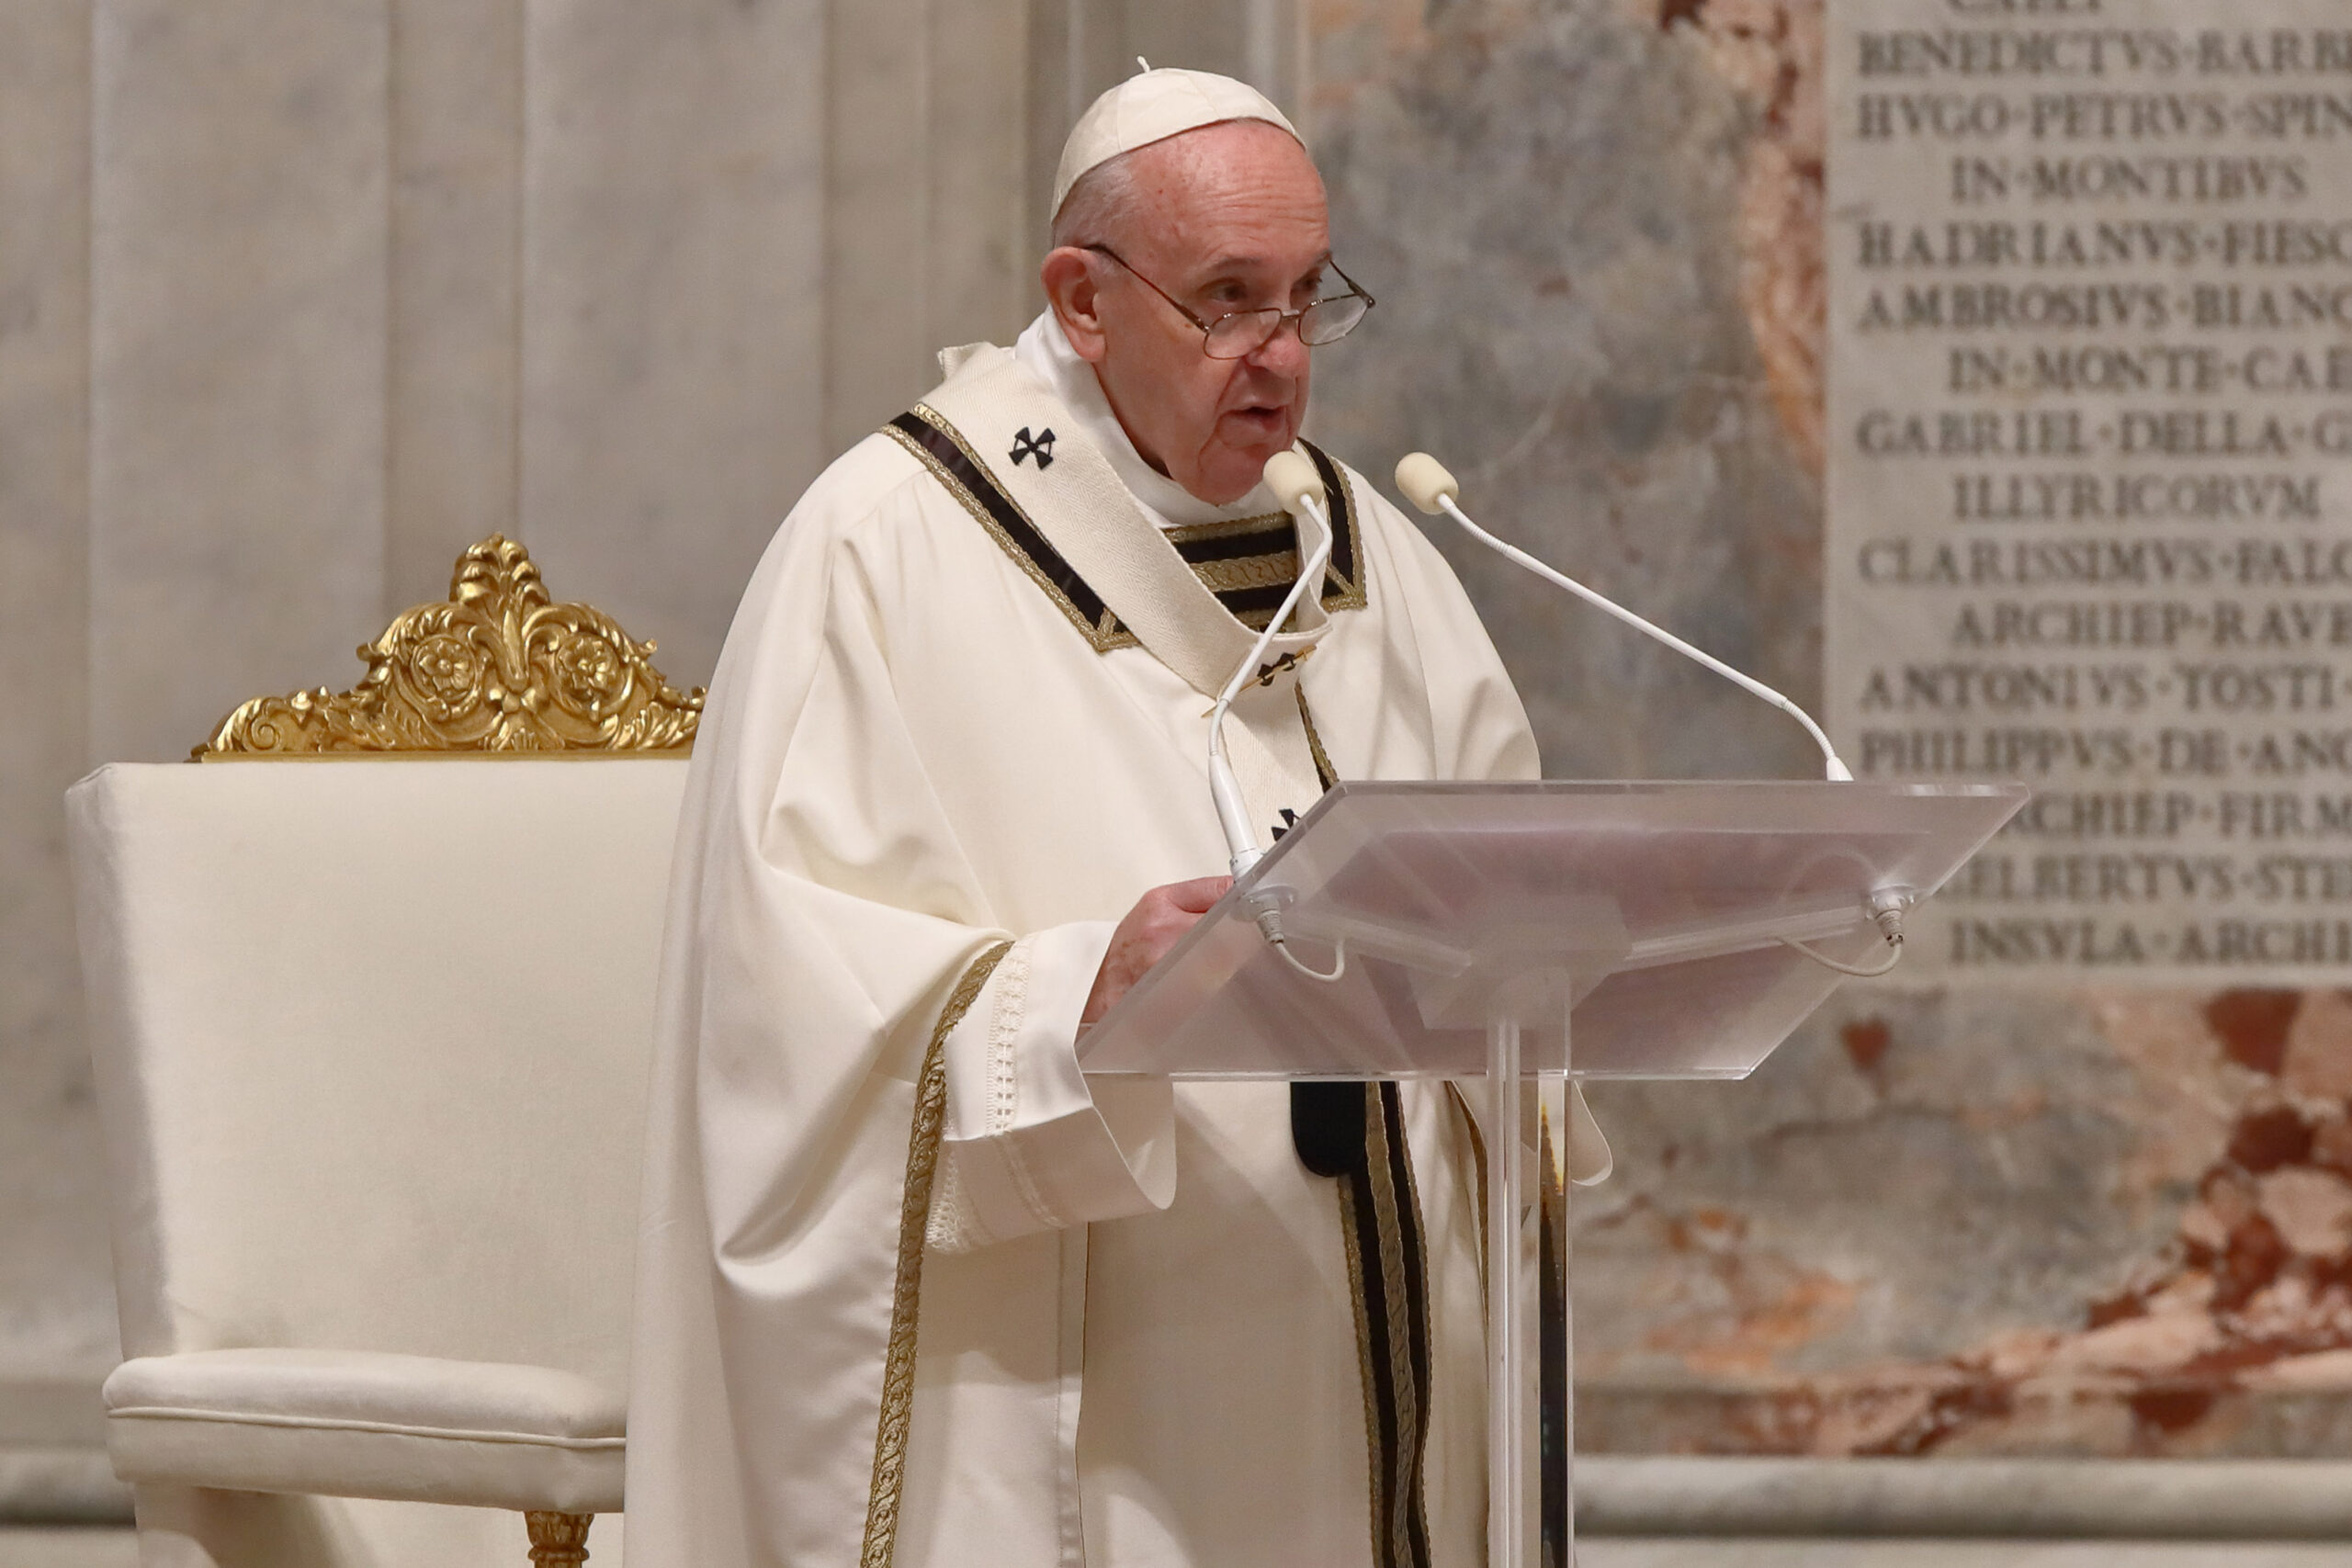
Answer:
(1386, 1265)
(1262, 599)
(1017, 527)
(1344, 524)
(1412, 1515)
(1354, 1132)
(1552, 1351)
(1276, 538)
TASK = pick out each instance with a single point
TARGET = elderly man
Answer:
(912, 1288)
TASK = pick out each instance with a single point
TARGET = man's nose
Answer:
(1284, 353)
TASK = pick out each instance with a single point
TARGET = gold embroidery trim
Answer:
(1276, 568)
(906, 1291)
(1355, 594)
(1229, 527)
(1477, 1158)
(1375, 1487)
(1391, 1527)
(1324, 774)
(1400, 1299)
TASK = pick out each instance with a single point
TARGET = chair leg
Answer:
(558, 1541)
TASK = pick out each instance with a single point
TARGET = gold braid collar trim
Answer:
(1403, 1486)
(914, 1209)
(499, 667)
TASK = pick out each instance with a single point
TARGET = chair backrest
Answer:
(371, 1037)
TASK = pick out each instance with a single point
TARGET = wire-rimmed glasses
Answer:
(1240, 334)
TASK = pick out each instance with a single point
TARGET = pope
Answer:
(912, 1288)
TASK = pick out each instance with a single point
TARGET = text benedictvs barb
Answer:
(2090, 469)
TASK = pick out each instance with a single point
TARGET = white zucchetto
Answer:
(1153, 106)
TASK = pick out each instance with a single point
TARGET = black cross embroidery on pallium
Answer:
(1040, 446)
(1290, 820)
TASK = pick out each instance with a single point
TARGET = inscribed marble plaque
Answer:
(2090, 469)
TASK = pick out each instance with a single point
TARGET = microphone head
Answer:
(1292, 478)
(1425, 481)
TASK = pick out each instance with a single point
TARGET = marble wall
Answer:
(298, 297)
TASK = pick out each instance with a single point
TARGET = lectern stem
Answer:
(1531, 1342)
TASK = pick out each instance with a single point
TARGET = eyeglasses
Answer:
(1241, 334)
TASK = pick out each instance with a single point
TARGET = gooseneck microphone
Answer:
(1300, 490)
(1427, 486)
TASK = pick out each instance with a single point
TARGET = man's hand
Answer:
(1144, 937)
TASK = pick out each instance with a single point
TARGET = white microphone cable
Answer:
(1427, 486)
(1299, 488)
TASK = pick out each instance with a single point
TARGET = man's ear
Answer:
(1070, 288)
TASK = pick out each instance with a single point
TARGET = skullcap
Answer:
(1153, 106)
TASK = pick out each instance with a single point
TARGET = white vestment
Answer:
(911, 1289)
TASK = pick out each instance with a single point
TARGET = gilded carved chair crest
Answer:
(499, 667)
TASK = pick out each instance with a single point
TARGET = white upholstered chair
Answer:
(371, 1041)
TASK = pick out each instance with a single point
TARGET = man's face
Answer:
(1231, 216)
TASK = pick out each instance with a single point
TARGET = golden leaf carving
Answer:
(499, 667)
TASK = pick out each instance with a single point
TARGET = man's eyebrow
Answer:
(1227, 264)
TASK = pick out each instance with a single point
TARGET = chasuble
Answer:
(911, 1289)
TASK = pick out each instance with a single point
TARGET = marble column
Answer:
(673, 245)
(237, 266)
(878, 192)
(56, 1318)
(453, 405)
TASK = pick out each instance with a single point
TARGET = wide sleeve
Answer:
(827, 934)
(1031, 1143)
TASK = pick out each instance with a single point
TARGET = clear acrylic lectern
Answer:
(1458, 930)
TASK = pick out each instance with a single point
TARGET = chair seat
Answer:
(367, 1424)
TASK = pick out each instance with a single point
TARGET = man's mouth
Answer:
(1262, 421)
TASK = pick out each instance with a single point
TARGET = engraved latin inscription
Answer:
(2090, 469)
